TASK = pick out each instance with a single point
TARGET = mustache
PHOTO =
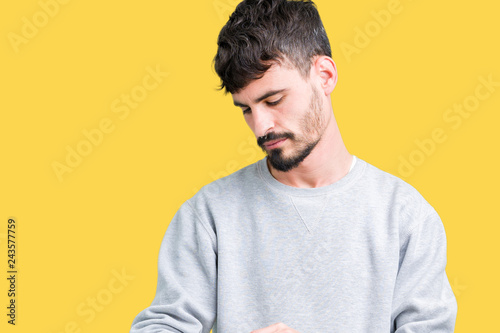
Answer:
(273, 136)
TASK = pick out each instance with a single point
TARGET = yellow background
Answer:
(108, 215)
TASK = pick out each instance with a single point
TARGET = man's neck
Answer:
(327, 163)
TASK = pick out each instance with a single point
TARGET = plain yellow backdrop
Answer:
(110, 120)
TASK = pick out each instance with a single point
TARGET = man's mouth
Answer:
(274, 143)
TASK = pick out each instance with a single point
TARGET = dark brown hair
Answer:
(260, 33)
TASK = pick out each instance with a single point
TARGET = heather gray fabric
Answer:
(364, 254)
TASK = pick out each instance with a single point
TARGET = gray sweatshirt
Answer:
(364, 254)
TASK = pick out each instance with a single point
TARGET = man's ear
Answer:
(326, 72)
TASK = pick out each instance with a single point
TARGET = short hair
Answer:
(260, 33)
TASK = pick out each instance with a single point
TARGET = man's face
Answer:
(285, 113)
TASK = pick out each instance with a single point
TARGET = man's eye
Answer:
(245, 111)
(275, 102)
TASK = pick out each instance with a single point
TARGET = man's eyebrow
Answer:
(263, 97)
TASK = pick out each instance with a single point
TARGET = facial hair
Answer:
(313, 122)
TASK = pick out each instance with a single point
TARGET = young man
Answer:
(310, 238)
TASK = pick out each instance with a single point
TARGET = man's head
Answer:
(275, 59)
(260, 33)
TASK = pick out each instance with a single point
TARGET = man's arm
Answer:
(423, 299)
(185, 299)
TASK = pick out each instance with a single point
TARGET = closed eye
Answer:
(275, 102)
(248, 110)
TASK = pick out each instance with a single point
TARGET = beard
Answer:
(312, 122)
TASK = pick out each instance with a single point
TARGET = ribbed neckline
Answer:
(344, 182)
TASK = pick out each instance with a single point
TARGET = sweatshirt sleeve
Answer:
(185, 299)
(423, 299)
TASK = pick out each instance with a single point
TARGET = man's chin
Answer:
(284, 164)
(281, 164)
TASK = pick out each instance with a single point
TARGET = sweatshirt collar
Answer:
(355, 172)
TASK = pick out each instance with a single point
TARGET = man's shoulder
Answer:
(231, 184)
(382, 177)
(388, 185)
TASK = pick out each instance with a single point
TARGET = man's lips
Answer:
(273, 143)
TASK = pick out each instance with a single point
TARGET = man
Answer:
(309, 239)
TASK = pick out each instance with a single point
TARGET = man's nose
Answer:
(263, 120)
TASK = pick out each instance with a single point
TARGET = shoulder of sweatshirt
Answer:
(229, 186)
(405, 201)
(224, 191)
